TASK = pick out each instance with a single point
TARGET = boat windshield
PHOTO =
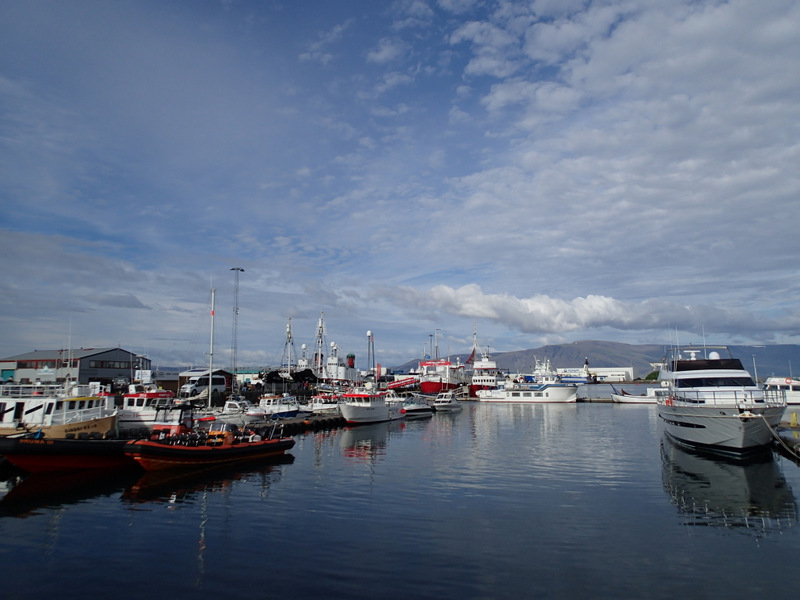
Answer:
(714, 382)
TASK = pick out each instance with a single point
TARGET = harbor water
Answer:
(587, 500)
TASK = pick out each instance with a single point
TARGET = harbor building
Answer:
(109, 366)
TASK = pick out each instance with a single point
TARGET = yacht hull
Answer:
(721, 428)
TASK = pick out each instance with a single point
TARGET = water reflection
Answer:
(367, 443)
(715, 491)
(178, 486)
(29, 493)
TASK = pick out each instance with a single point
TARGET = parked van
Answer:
(198, 384)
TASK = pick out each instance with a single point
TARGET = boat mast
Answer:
(318, 360)
(211, 352)
(235, 341)
(288, 349)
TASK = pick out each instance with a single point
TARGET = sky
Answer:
(538, 172)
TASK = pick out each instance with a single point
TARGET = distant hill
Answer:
(770, 360)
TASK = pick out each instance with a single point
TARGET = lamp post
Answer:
(235, 341)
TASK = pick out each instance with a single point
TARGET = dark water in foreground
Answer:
(508, 501)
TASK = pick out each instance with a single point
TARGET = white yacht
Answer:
(713, 402)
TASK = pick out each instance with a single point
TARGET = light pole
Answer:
(235, 341)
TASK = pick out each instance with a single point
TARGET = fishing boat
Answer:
(437, 375)
(223, 443)
(55, 411)
(712, 402)
(485, 375)
(45, 455)
(140, 405)
(368, 405)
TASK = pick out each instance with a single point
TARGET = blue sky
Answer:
(548, 171)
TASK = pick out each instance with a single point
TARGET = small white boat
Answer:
(414, 405)
(367, 405)
(712, 402)
(279, 407)
(447, 402)
(322, 404)
(649, 397)
(240, 411)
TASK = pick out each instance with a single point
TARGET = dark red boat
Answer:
(223, 445)
(50, 454)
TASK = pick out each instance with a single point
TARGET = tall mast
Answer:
(211, 351)
(288, 349)
(318, 360)
(235, 340)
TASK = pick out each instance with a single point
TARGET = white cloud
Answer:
(560, 169)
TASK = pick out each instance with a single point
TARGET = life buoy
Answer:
(787, 381)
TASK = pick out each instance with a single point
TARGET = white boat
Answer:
(485, 375)
(649, 397)
(415, 405)
(447, 401)
(532, 393)
(712, 402)
(284, 406)
(367, 405)
(790, 385)
(240, 411)
(543, 385)
(57, 411)
(139, 405)
(322, 404)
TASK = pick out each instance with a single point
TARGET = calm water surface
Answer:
(507, 501)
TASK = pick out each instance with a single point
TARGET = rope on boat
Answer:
(779, 439)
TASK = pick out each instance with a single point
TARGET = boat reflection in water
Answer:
(717, 492)
(26, 495)
(177, 486)
(30, 493)
(367, 443)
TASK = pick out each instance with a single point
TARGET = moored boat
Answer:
(241, 412)
(485, 375)
(713, 402)
(447, 401)
(439, 375)
(367, 405)
(284, 406)
(42, 455)
(416, 405)
(222, 444)
(649, 397)
(55, 411)
(789, 385)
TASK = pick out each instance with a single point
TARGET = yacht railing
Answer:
(729, 397)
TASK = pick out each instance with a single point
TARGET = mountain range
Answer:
(769, 360)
